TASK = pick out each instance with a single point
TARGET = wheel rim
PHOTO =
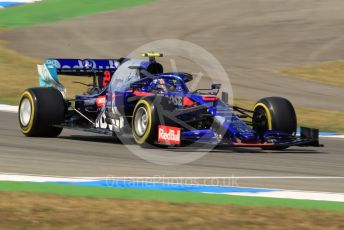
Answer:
(25, 112)
(260, 120)
(141, 121)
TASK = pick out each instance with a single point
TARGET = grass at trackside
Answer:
(18, 72)
(49, 11)
(28, 210)
(321, 119)
(170, 196)
(328, 72)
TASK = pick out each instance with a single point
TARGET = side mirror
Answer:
(215, 86)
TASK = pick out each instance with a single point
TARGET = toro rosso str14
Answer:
(136, 97)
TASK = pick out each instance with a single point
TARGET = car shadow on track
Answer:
(104, 139)
(248, 150)
(218, 149)
(285, 151)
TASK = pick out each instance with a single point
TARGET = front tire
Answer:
(39, 110)
(144, 123)
(274, 113)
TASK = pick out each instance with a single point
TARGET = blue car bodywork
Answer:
(118, 84)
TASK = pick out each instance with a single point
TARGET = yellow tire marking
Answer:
(267, 111)
(29, 126)
(141, 140)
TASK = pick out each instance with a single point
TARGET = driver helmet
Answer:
(160, 84)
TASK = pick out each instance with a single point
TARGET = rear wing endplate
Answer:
(49, 71)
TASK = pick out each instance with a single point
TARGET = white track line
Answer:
(21, 1)
(334, 136)
(298, 195)
(37, 178)
(9, 108)
(111, 177)
(279, 193)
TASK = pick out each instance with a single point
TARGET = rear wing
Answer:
(83, 66)
(103, 69)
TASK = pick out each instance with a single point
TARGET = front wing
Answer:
(309, 137)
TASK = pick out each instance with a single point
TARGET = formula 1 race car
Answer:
(136, 97)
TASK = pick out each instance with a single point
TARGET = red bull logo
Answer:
(168, 135)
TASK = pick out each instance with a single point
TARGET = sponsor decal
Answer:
(101, 123)
(101, 64)
(168, 135)
(88, 64)
(100, 102)
(175, 100)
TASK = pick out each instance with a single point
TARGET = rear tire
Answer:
(39, 110)
(274, 113)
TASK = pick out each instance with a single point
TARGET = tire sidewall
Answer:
(280, 114)
(29, 129)
(150, 134)
(47, 110)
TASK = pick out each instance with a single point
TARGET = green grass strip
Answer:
(49, 11)
(169, 196)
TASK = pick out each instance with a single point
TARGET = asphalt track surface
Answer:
(85, 154)
(252, 40)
